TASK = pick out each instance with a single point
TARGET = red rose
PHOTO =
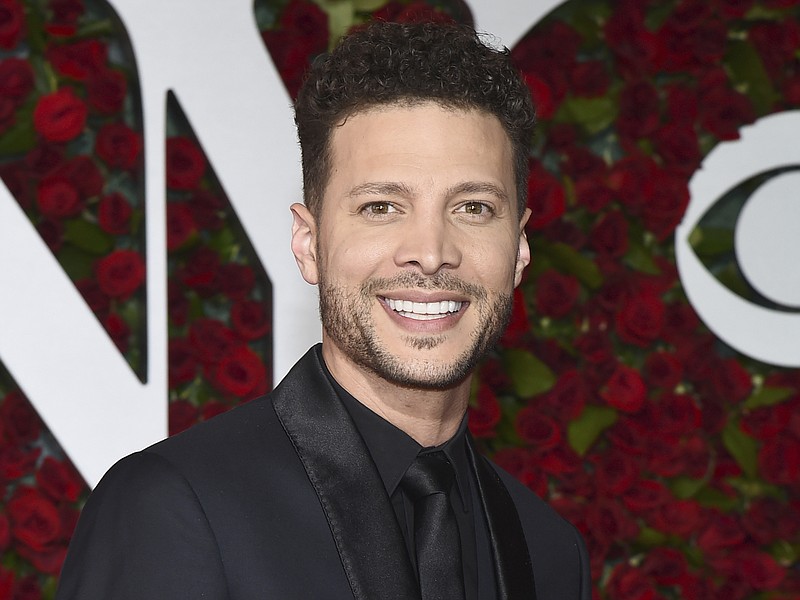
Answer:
(235, 280)
(779, 460)
(240, 373)
(249, 319)
(5, 540)
(211, 340)
(518, 325)
(180, 225)
(118, 331)
(641, 319)
(12, 23)
(677, 517)
(106, 91)
(776, 43)
(186, 164)
(52, 233)
(682, 105)
(35, 521)
(724, 111)
(416, 12)
(58, 198)
(609, 522)
(625, 390)
(633, 45)
(630, 583)
(593, 194)
(93, 295)
(766, 422)
(556, 46)
(589, 78)
(537, 429)
(768, 520)
(544, 98)
(722, 532)
(114, 214)
(556, 294)
(678, 146)
(484, 415)
(120, 273)
(645, 496)
(177, 304)
(182, 364)
(582, 163)
(759, 569)
(16, 79)
(546, 198)
(667, 566)
(20, 422)
(207, 210)
(60, 116)
(609, 237)
(568, 396)
(200, 271)
(118, 145)
(28, 588)
(16, 462)
(59, 480)
(182, 415)
(639, 111)
(78, 60)
(614, 472)
(731, 381)
(83, 173)
(678, 414)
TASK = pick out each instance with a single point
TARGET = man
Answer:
(414, 142)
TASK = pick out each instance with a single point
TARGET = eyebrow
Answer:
(391, 188)
(381, 188)
(478, 187)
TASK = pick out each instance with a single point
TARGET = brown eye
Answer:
(476, 208)
(378, 208)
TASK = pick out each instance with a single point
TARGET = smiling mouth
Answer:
(424, 311)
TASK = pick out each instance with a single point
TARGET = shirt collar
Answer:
(393, 450)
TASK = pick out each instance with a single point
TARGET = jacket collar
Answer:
(355, 502)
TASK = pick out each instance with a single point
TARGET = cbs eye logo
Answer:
(738, 246)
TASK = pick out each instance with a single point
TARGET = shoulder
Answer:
(557, 549)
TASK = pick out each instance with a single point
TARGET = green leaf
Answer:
(20, 137)
(568, 260)
(583, 431)
(768, 397)
(641, 260)
(529, 375)
(650, 537)
(747, 71)
(685, 487)
(87, 236)
(341, 16)
(368, 5)
(76, 263)
(592, 114)
(711, 241)
(741, 446)
(714, 498)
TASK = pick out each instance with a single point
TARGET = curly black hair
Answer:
(391, 63)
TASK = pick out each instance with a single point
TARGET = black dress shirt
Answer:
(393, 451)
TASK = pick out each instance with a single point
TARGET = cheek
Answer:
(354, 257)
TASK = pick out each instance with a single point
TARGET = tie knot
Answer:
(429, 474)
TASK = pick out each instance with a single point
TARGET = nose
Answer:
(428, 243)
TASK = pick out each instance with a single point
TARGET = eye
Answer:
(375, 209)
(476, 208)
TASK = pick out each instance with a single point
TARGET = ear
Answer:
(304, 242)
(524, 251)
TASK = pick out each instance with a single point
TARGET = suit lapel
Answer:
(512, 563)
(347, 483)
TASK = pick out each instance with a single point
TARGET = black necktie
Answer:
(427, 483)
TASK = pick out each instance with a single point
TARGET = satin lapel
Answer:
(348, 485)
(512, 563)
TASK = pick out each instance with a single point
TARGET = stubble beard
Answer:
(347, 318)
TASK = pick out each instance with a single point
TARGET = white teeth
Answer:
(424, 310)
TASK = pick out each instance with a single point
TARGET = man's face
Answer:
(417, 246)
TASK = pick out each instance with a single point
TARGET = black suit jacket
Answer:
(279, 498)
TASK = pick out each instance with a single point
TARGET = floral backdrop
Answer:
(677, 457)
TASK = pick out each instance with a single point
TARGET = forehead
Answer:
(421, 138)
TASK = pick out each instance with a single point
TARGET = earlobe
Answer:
(304, 242)
(524, 251)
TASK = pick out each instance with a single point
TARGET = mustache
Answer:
(441, 281)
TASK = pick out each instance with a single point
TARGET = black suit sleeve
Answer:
(142, 535)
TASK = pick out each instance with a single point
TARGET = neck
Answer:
(430, 417)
